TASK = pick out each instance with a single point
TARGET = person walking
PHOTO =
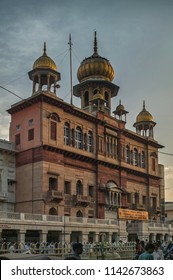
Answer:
(147, 255)
(77, 251)
(158, 252)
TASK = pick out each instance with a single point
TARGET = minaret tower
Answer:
(44, 75)
(95, 88)
(144, 123)
(120, 112)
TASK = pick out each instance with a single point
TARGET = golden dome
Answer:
(98, 96)
(144, 116)
(120, 107)
(45, 61)
(95, 66)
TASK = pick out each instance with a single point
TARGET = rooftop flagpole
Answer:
(71, 87)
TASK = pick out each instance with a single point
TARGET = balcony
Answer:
(140, 207)
(158, 209)
(55, 196)
(82, 200)
(112, 206)
(126, 205)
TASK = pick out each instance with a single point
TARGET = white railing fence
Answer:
(97, 250)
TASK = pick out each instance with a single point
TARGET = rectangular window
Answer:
(154, 202)
(53, 130)
(129, 198)
(31, 134)
(144, 200)
(11, 185)
(136, 198)
(153, 164)
(91, 191)
(67, 187)
(18, 127)
(17, 139)
(53, 183)
(31, 122)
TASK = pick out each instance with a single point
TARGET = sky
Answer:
(136, 36)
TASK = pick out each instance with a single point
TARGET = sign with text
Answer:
(132, 214)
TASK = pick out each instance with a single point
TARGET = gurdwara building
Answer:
(83, 163)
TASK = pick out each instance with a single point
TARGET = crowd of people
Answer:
(153, 250)
(144, 250)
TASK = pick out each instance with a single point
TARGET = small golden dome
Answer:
(45, 61)
(144, 116)
(95, 66)
(120, 107)
(98, 96)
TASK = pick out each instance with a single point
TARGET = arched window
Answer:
(127, 154)
(86, 98)
(135, 157)
(79, 188)
(89, 141)
(78, 138)
(52, 211)
(153, 161)
(79, 214)
(54, 119)
(143, 160)
(66, 133)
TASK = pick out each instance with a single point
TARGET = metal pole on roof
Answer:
(71, 87)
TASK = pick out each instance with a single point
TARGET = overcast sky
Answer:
(136, 36)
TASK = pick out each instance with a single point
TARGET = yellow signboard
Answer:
(132, 214)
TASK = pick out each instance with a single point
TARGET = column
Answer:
(109, 198)
(109, 237)
(54, 86)
(120, 199)
(113, 198)
(117, 204)
(34, 87)
(48, 82)
(84, 237)
(67, 237)
(97, 237)
(43, 236)
(21, 236)
(39, 83)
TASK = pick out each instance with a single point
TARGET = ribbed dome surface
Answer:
(45, 61)
(95, 67)
(120, 107)
(144, 116)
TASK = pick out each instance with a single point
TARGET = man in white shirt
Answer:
(158, 253)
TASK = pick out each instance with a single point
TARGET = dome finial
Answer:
(44, 49)
(143, 105)
(95, 43)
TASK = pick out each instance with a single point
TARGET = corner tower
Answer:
(95, 75)
(44, 74)
(145, 123)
